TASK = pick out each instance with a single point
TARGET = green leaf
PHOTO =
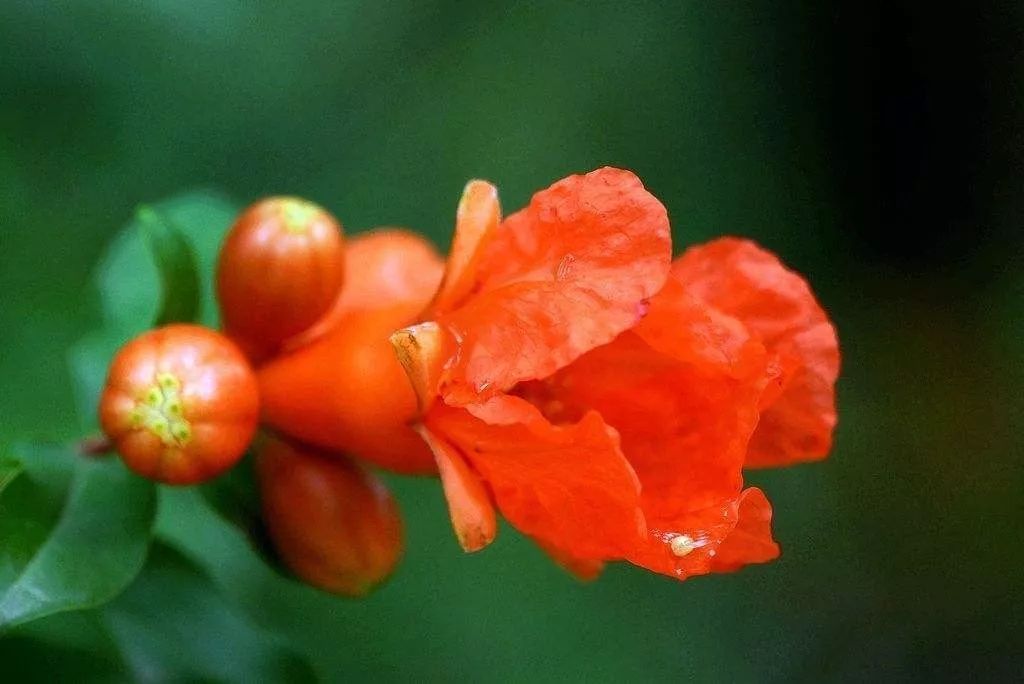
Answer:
(128, 279)
(32, 661)
(30, 507)
(85, 555)
(10, 468)
(68, 647)
(88, 360)
(176, 266)
(173, 624)
(132, 280)
(235, 496)
(190, 524)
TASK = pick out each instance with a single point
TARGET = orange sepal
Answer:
(469, 505)
(476, 222)
(423, 349)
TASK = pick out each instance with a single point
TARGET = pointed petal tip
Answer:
(469, 505)
(476, 221)
(475, 539)
(477, 193)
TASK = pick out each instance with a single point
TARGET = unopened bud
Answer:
(334, 524)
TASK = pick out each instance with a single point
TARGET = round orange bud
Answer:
(280, 270)
(334, 524)
(181, 404)
(347, 392)
(383, 267)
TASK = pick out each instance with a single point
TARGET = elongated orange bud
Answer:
(334, 524)
(347, 392)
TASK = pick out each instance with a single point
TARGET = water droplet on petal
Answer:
(682, 545)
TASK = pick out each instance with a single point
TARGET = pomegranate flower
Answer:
(604, 398)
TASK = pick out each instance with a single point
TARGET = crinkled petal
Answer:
(568, 486)
(751, 540)
(684, 426)
(567, 274)
(719, 538)
(683, 327)
(741, 280)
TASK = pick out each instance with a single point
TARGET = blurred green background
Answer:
(879, 150)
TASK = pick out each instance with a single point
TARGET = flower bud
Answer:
(280, 270)
(384, 267)
(347, 392)
(180, 405)
(334, 524)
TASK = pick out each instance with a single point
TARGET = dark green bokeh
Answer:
(877, 151)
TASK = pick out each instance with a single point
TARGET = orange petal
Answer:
(685, 328)
(750, 284)
(719, 538)
(468, 502)
(684, 425)
(583, 569)
(567, 274)
(751, 540)
(568, 486)
(476, 222)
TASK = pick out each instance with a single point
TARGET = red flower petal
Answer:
(746, 282)
(684, 426)
(583, 569)
(685, 328)
(685, 412)
(719, 538)
(567, 274)
(568, 486)
(751, 540)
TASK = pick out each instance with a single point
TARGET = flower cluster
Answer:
(559, 367)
